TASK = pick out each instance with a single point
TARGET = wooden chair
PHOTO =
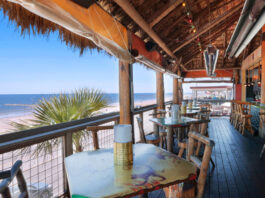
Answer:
(201, 164)
(94, 130)
(205, 107)
(183, 144)
(162, 131)
(6, 177)
(233, 111)
(245, 118)
(236, 120)
(149, 139)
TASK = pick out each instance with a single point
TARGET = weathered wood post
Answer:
(180, 89)
(262, 101)
(126, 94)
(175, 91)
(160, 100)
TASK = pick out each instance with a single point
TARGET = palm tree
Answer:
(82, 103)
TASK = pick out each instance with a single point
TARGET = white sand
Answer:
(6, 127)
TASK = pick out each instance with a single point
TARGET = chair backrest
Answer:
(244, 107)
(141, 130)
(94, 130)
(205, 107)
(203, 164)
(8, 176)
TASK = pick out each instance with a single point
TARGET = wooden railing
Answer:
(13, 143)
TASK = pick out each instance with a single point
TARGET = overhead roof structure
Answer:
(180, 29)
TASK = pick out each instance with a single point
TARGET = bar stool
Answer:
(245, 118)
(236, 121)
(233, 111)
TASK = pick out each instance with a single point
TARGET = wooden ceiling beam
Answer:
(159, 15)
(218, 32)
(211, 25)
(219, 68)
(138, 19)
(208, 81)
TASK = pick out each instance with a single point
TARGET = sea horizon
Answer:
(12, 105)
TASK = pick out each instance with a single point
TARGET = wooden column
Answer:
(262, 101)
(160, 90)
(125, 92)
(180, 89)
(175, 91)
(243, 95)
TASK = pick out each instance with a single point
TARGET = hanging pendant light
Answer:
(210, 58)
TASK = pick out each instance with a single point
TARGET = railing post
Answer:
(95, 139)
(156, 128)
(141, 115)
(67, 145)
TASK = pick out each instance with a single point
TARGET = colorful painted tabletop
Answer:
(93, 173)
(168, 121)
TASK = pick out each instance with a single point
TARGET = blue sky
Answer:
(38, 64)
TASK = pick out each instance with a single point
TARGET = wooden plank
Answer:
(159, 15)
(211, 25)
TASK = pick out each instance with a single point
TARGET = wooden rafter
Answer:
(159, 15)
(218, 32)
(138, 19)
(211, 25)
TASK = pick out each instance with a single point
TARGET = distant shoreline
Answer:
(22, 116)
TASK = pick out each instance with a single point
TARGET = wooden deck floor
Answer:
(238, 171)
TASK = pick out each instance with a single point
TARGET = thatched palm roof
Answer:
(29, 23)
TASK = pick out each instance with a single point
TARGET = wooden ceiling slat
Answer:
(209, 26)
(158, 15)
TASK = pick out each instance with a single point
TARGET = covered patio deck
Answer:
(182, 39)
(238, 170)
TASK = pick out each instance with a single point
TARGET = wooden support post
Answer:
(262, 101)
(180, 90)
(126, 94)
(160, 90)
(243, 94)
(175, 91)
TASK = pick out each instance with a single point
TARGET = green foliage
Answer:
(83, 103)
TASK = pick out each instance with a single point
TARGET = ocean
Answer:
(21, 104)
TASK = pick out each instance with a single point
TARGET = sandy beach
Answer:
(5, 126)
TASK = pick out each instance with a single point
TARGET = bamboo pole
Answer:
(124, 90)
(160, 90)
